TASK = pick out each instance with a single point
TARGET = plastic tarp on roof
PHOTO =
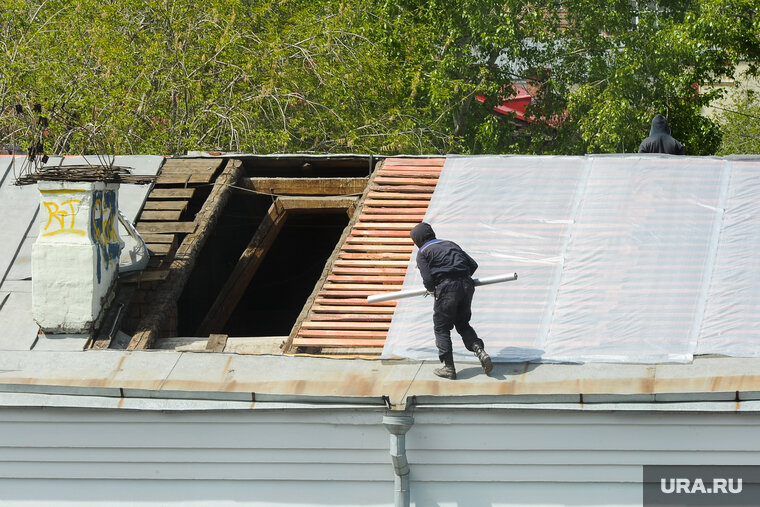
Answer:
(620, 258)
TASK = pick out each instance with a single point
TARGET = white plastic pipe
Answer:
(401, 294)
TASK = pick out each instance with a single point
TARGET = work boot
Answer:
(485, 359)
(447, 371)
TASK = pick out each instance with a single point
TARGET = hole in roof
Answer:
(286, 277)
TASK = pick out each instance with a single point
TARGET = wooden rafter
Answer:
(305, 186)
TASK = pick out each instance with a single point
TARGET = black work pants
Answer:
(452, 309)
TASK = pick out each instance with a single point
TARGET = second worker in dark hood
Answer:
(447, 271)
(660, 140)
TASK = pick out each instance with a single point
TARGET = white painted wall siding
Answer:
(530, 457)
(458, 456)
(253, 457)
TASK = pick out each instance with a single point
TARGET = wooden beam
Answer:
(166, 227)
(172, 178)
(163, 215)
(165, 205)
(150, 237)
(187, 253)
(171, 193)
(145, 276)
(246, 268)
(216, 343)
(305, 186)
(192, 164)
(317, 204)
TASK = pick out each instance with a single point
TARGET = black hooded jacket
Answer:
(660, 140)
(438, 259)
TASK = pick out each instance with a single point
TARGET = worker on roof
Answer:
(446, 272)
(660, 140)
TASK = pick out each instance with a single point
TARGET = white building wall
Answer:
(458, 457)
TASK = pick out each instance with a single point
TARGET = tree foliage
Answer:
(167, 76)
(740, 123)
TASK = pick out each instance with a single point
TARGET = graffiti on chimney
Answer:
(103, 228)
(62, 215)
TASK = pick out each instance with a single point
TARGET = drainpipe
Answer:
(398, 425)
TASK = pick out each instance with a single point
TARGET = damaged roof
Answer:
(371, 255)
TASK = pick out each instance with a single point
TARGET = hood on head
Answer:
(659, 126)
(422, 233)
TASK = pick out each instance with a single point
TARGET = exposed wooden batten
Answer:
(305, 186)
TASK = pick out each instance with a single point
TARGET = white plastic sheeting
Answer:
(620, 258)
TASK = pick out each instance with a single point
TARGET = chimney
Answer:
(75, 259)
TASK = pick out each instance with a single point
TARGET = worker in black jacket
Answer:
(660, 140)
(447, 271)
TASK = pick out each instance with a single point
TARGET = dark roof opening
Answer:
(282, 283)
(287, 276)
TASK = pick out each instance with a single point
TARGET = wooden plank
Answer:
(396, 180)
(409, 173)
(412, 189)
(158, 238)
(342, 326)
(384, 310)
(415, 218)
(402, 226)
(371, 240)
(159, 248)
(364, 287)
(327, 300)
(338, 270)
(414, 162)
(375, 195)
(320, 333)
(183, 179)
(380, 233)
(397, 203)
(372, 263)
(165, 205)
(145, 276)
(396, 210)
(216, 343)
(377, 248)
(166, 227)
(365, 279)
(166, 215)
(204, 163)
(326, 342)
(351, 317)
(352, 294)
(383, 256)
(316, 203)
(244, 270)
(306, 186)
(171, 193)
